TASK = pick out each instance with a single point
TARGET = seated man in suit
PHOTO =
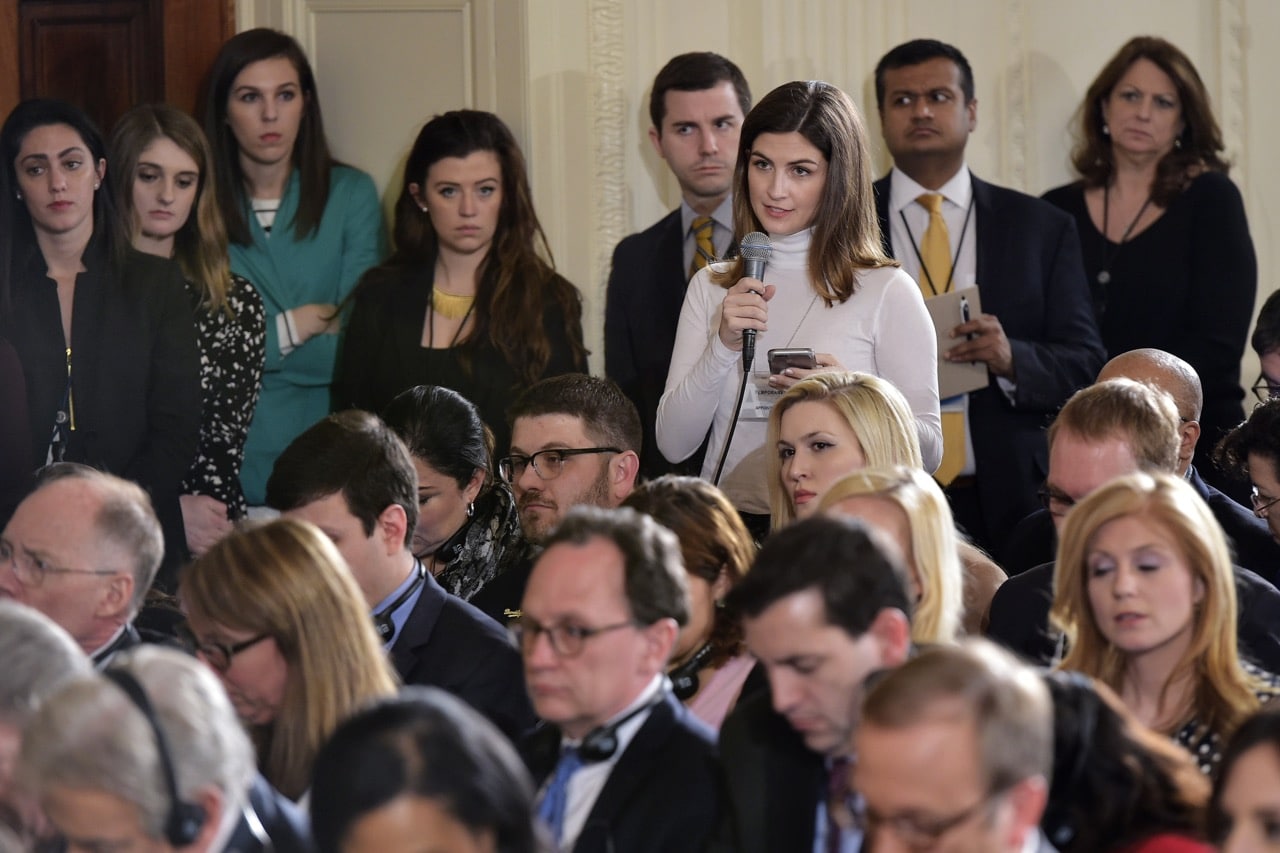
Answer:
(623, 766)
(824, 606)
(83, 549)
(353, 478)
(697, 105)
(1252, 450)
(1103, 432)
(955, 752)
(575, 439)
(1036, 333)
(168, 727)
(1034, 540)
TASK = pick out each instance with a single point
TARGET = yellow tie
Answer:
(705, 251)
(935, 248)
(935, 254)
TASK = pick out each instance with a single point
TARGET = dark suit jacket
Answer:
(1030, 275)
(1034, 541)
(1019, 618)
(773, 782)
(449, 644)
(642, 310)
(662, 794)
(285, 824)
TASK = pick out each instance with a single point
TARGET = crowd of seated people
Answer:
(316, 543)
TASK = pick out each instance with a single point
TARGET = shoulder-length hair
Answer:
(15, 220)
(310, 152)
(846, 231)
(200, 246)
(287, 580)
(1223, 693)
(1200, 147)
(939, 614)
(713, 539)
(517, 277)
(875, 410)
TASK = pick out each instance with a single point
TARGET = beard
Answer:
(538, 526)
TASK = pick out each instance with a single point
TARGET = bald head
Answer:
(1165, 372)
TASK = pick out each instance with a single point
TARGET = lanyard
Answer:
(964, 229)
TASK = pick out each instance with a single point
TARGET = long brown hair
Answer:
(1200, 143)
(846, 231)
(518, 275)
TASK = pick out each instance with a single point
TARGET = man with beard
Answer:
(575, 439)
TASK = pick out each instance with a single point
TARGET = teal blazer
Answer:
(289, 272)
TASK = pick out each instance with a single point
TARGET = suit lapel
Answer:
(992, 235)
(881, 188)
(418, 627)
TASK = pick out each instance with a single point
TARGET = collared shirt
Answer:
(401, 614)
(850, 839)
(585, 785)
(104, 654)
(721, 231)
(957, 195)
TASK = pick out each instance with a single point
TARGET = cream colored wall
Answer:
(572, 78)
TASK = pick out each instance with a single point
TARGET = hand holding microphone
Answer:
(745, 307)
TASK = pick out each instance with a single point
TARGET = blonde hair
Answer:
(876, 411)
(939, 614)
(200, 246)
(287, 580)
(1223, 692)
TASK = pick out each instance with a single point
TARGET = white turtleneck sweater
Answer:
(883, 329)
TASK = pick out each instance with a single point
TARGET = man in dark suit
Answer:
(83, 549)
(621, 764)
(955, 752)
(353, 478)
(154, 707)
(697, 105)
(1036, 332)
(1105, 431)
(824, 606)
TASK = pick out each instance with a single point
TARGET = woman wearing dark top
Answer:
(103, 332)
(163, 181)
(471, 299)
(1165, 239)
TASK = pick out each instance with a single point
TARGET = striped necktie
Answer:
(704, 251)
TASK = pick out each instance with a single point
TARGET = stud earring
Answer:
(423, 208)
(97, 184)
(1106, 131)
(18, 196)
(1177, 143)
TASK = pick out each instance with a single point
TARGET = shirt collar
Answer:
(722, 215)
(904, 191)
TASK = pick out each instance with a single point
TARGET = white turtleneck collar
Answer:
(790, 252)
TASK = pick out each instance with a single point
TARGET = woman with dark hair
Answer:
(1118, 787)
(303, 228)
(1244, 813)
(162, 177)
(1252, 451)
(470, 300)
(1165, 239)
(710, 664)
(421, 771)
(468, 530)
(804, 177)
(103, 332)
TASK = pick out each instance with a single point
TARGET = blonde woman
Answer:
(275, 613)
(1145, 596)
(909, 506)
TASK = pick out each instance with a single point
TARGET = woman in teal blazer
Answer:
(303, 229)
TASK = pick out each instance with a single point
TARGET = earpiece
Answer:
(600, 744)
(382, 622)
(185, 819)
(684, 678)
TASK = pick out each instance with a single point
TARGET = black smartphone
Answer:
(781, 359)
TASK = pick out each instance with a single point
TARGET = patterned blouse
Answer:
(493, 543)
(1205, 745)
(231, 358)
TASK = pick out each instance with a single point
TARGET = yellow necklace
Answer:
(451, 305)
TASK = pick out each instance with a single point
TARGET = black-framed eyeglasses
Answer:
(31, 569)
(1264, 390)
(1261, 503)
(920, 832)
(547, 464)
(1058, 502)
(219, 655)
(566, 640)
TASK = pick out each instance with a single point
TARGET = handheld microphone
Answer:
(755, 249)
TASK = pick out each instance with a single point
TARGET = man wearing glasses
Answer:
(575, 440)
(1253, 450)
(621, 764)
(955, 751)
(83, 549)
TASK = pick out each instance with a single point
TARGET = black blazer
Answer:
(1031, 277)
(449, 644)
(773, 782)
(285, 825)
(662, 794)
(647, 283)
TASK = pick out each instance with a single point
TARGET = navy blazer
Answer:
(284, 823)
(449, 644)
(662, 794)
(1031, 276)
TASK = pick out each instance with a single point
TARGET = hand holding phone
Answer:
(782, 358)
